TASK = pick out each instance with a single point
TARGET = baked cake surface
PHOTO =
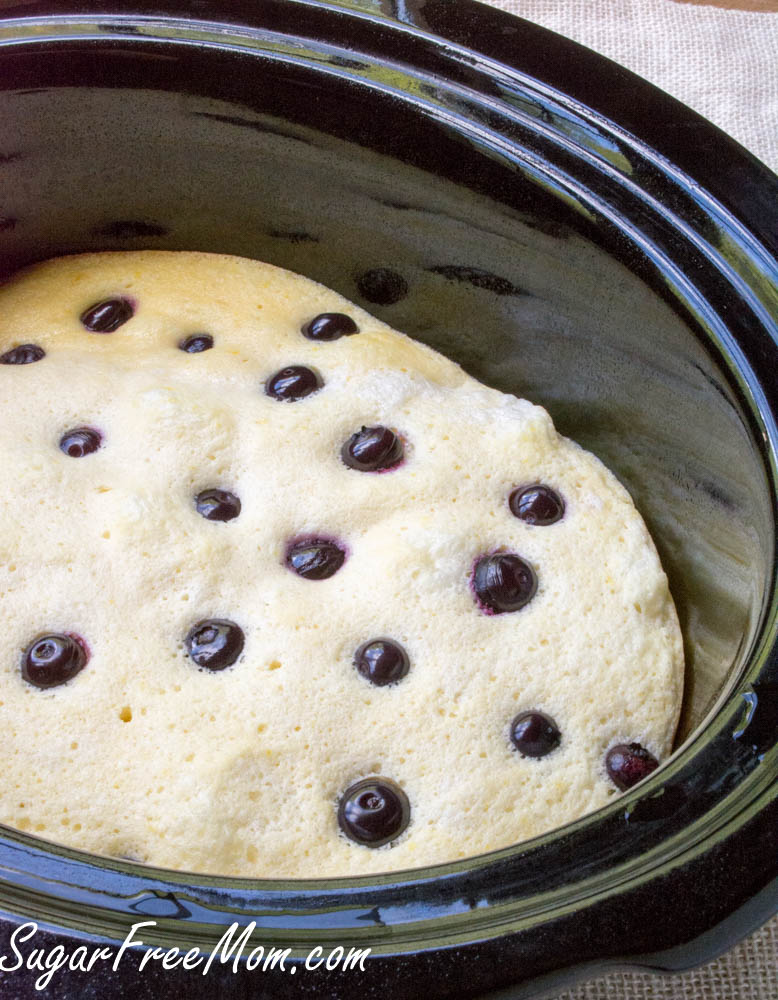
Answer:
(417, 578)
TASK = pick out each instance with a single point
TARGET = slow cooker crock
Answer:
(566, 232)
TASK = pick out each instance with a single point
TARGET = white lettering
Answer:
(230, 948)
(192, 959)
(35, 959)
(274, 956)
(225, 943)
(254, 958)
(18, 934)
(315, 951)
(55, 959)
(171, 959)
(130, 940)
(99, 954)
(77, 960)
(356, 955)
(151, 954)
(329, 964)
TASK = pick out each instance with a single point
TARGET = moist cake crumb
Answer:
(315, 603)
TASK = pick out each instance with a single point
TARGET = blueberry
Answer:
(629, 763)
(80, 441)
(217, 505)
(503, 582)
(329, 326)
(215, 643)
(54, 659)
(536, 504)
(107, 315)
(534, 734)
(196, 343)
(24, 354)
(292, 383)
(373, 449)
(315, 558)
(382, 661)
(373, 811)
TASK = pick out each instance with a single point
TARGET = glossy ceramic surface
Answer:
(564, 231)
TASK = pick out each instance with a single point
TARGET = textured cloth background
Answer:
(747, 972)
(724, 64)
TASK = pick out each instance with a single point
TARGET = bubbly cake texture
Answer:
(288, 594)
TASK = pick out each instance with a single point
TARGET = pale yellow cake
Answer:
(147, 754)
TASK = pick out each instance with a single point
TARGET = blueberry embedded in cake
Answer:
(373, 812)
(54, 659)
(537, 504)
(534, 734)
(319, 602)
(503, 582)
(24, 354)
(196, 343)
(382, 661)
(217, 505)
(80, 441)
(107, 315)
(215, 643)
(315, 558)
(373, 449)
(329, 326)
(292, 383)
(629, 763)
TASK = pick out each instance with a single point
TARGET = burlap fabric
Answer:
(748, 972)
(723, 63)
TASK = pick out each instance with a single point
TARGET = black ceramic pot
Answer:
(566, 232)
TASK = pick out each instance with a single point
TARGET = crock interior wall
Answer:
(131, 150)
